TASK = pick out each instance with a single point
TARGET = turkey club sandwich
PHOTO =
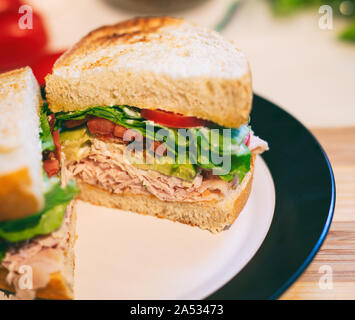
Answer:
(175, 95)
(37, 222)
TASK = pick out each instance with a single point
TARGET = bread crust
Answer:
(128, 31)
(154, 63)
(16, 199)
(214, 216)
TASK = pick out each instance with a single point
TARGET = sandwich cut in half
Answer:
(37, 222)
(175, 95)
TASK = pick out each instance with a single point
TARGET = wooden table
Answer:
(338, 249)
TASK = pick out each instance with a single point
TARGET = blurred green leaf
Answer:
(288, 7)
(349, 33)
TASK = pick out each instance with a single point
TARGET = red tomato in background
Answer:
(10, 5)
(171, 119)
(20, 47)
(44, 64)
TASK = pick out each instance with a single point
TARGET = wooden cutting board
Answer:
(336, 259)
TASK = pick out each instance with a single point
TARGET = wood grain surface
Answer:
(337, 254)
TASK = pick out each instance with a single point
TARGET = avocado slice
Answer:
(185, 171)
(75, 143)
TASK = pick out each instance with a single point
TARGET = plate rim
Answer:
(297, 273)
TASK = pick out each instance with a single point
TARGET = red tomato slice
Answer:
(20, 47)
(74, 123)
(130, 135)
(101, 126)
(158, 147)
(51, 167)
(171, 119)
(10, 5)
(44, 65)
(119, 131)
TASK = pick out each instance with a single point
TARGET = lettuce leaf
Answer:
(201, 140)
(45, 131)
(3, 249)
(49, 219)
(349, 32)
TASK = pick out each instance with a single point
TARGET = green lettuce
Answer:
(201, 141)
(45, 130)
(3, 249)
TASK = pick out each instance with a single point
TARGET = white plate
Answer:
(123, 255)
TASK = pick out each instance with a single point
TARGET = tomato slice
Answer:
(101, 126)
(173, 120)
(74, 123)
(51, 167)
(119, 131)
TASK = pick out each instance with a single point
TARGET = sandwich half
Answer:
(37, 220)
(176, 95)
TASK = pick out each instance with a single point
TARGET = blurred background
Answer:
(295, 63)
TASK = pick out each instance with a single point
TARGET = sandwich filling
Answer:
(45, 255)
(38, 239)
(175, 158)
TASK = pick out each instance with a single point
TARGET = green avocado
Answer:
(75, 143)
(183, 171)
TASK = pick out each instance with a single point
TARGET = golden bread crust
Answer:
(129, 31)
(154, 63)
(16, 198)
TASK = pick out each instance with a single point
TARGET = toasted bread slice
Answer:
(154, 63)
(21, 191)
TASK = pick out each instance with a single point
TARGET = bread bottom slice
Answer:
(214, 216)
(60, 284)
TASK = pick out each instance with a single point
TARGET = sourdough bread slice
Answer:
(21, 192)
(154, 63)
